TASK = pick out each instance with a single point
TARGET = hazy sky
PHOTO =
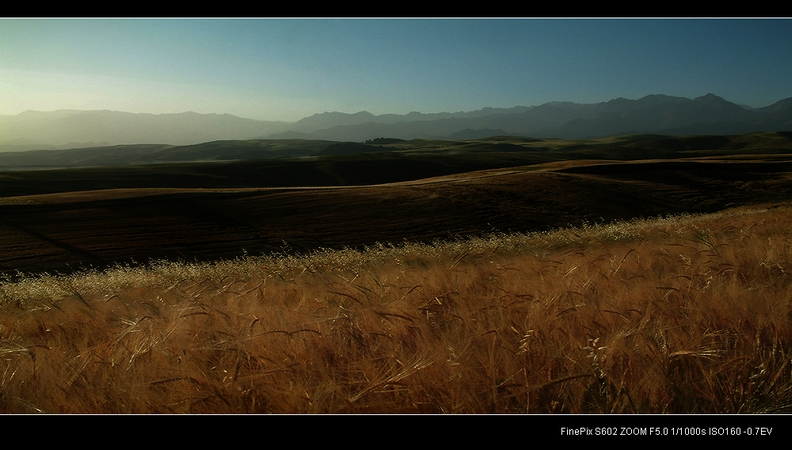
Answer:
(286, 69)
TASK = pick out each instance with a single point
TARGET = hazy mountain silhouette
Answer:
(327, 120)
(62, 127)
(654, 114)
(658, 114)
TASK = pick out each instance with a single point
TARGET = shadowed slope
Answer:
(58, 232)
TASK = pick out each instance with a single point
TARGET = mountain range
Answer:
(657, 114)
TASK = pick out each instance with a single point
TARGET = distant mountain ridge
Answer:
(64, 127)
(327, 120)
(657, 114)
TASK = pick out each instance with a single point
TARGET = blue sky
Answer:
(286, 69)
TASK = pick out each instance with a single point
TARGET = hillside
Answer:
(641, 274)
(513, 150)
(63, 220)
(679, 315)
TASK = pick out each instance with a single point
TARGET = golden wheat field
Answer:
(681, 314)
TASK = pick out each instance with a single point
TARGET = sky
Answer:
(290, 68)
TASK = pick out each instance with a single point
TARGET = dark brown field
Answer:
(138, 214)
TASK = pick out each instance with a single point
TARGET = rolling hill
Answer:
(419, 190)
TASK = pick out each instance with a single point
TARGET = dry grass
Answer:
(687, 314)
